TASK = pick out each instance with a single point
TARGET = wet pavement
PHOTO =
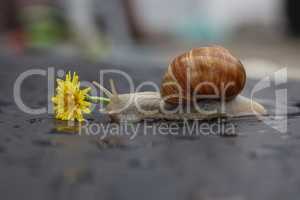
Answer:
(42, 158)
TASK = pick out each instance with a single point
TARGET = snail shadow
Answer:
(186, 129)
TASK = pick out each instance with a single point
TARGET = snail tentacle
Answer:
(103, 89)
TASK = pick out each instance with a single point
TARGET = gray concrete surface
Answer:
(41, 159)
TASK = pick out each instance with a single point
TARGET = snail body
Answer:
(207, 71)
(135, 107)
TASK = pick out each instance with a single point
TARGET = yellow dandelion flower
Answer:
(70, 101)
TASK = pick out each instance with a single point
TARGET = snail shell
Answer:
(203, 71)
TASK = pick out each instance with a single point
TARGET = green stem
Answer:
(102, 100)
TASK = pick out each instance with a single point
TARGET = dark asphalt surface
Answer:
(40, 158)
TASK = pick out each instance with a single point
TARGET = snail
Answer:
(200, 84)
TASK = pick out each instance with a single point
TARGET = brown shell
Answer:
(203, 71)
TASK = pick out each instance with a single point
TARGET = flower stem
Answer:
(102, 100)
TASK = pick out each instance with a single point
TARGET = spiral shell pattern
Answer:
(207, 72)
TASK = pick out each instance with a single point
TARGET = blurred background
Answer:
(264, 34)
